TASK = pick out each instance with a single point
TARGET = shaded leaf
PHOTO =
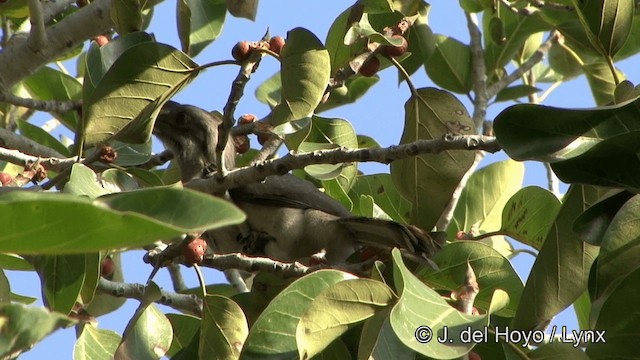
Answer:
(592, 224)
(450, 65)
(516, 92)
(243, 8)
(42, 137)
(148, 338)
(18, 331)
(132, 91)
(126, 15)
(560, 272)
(427, 181)
(62, 278)
(601, 82)
(199, 23)
(305, 71)
(185, 329)
(385, 195)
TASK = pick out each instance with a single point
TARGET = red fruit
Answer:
(461, 235)
(247, 119)
(194, 251)
(241, 50)
(474, 356)
(101, 40)
(397, 50)
(276, 44)
(370, 67)
(263, 138)
(107, 267)
(5, 179)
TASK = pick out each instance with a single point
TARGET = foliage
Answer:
(584, 243)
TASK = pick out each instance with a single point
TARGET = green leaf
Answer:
(62, 277)
(148, 338)
(339, 52)
(305, 71)
(132, 91)
(199, 23)
(422, 42)
(385, 195)
(428, 180)
(450, 65)
(123, 220)
(92, 274)
(83, 181)
(349, 302)
(5, 289)
(14, 262)
(517, 30)
(516, 92)
(601, 82)
(126, 16)
(582, 308)
(50, 84)
(18, 330)
(493, 271)
(528, 215)
(224, 328)
(102, 303)
(273, 335)
(619, 249)
(95, 344)
(592, 224)
(484, 197)
(269, 91)
(608, 22)
(421, 310)
(560, 272)
(378, 341)
(185, 329)
(597, 146)
(243, 8)
(632, 45)
(42, 137)
(617, 321)
(563, 60)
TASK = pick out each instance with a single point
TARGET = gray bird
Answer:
(295, 219)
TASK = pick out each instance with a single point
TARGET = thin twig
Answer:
(11, 140)
(176, 277)
(496, 87)
(24, 160)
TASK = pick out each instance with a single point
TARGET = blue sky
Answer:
(379, 114)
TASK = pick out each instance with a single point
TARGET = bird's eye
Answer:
(181, 118)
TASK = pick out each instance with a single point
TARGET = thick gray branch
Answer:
(18, 60)
(11, 140)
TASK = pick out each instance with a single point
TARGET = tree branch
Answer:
(18, 60)
(247, 175)
(38, 35)
(41, 105)
(24, 160)
(188, 303)
(11, 140)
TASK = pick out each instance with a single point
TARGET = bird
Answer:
(293, 218)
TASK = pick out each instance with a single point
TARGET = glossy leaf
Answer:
(120, 221)
(273, 335)
(484, 197)
(349, 302)
(199, 23)
(450, 65)
(528, 215)
(62, 278)
(224, 328)
(493, 271)
(19, 333)
(560, 272)
(132, 91)
(95, 344)
(305, 71)
(427, 181)
(421, 306)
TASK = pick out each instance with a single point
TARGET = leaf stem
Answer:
(405, 75)
(217, 63)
